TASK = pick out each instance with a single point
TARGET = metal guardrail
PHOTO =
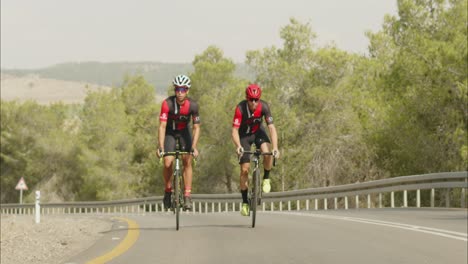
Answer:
(376, 194)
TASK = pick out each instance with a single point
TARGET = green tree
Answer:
(321, 136)
(108, 148)
(216, 90)
(424, 86)
(36, 144)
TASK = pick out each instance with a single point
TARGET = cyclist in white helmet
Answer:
(174, 121)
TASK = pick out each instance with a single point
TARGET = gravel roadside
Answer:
(54, 240)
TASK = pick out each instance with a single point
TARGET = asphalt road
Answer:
(343, 236)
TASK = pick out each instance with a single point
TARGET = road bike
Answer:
(255, 193)
(177, 197)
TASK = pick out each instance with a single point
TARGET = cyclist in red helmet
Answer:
(247, 129)
(174, 120)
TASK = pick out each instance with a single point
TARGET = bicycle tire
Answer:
(255, 195)
(177, 198)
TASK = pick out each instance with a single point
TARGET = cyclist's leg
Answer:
(267, 159)
(244, 186)
(244, 176)
(186, 145)
(263, 142)
(244, 163)
(169, 145)
(188, 174)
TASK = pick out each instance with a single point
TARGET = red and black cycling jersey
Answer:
(250, 122)
(178, 116)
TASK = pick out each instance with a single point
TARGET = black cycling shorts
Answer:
(185, 140)
(258, 138)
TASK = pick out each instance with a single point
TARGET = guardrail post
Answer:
(336, 203)
(418, 198)
(380, 200)
(307, 204)
(38, 207)
(432, 197)
(405, 198)
(368, 201)
(447, 197)
(346, 202)
(272, 206)
(392, 199)
(463, 197)
(316, 204)
(281, 206)
(289, 205)
(357, 201)
(325, 203)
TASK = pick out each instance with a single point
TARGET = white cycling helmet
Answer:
(182, 80)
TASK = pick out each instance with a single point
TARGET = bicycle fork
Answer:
(256, 183)
(178, 201)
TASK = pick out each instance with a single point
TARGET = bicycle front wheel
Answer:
(255, 195)
(176, 198)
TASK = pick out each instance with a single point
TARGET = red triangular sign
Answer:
(21, 185)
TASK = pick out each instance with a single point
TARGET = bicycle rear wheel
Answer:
(176, 197)
(255, 195)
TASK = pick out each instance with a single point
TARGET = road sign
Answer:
(21, 185)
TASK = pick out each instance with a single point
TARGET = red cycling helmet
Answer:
(253, 91)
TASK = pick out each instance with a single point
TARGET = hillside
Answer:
(44, 90)
(112, 74)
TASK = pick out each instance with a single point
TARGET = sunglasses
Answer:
(253, 100)
(180, 89)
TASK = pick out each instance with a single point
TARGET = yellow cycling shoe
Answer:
(266, 186)
(245, 210)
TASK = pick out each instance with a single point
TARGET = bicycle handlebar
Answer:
(174, 153)
(259, 153)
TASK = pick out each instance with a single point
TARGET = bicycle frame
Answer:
(256, 190)
(177, 193)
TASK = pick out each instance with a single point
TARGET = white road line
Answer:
(422, 229)
(417, 227)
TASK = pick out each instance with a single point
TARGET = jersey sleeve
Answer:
(267, 113)
(236, 122)
(163, 115)
(195, 114)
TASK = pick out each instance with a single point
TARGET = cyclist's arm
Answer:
(163, 116)
(236, 122)
(235, 137)
(196, 135)
(274, 136)
(195, 127)
(162, 134)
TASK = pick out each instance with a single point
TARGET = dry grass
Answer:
(43, 90)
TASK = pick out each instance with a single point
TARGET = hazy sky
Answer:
(39, 33)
